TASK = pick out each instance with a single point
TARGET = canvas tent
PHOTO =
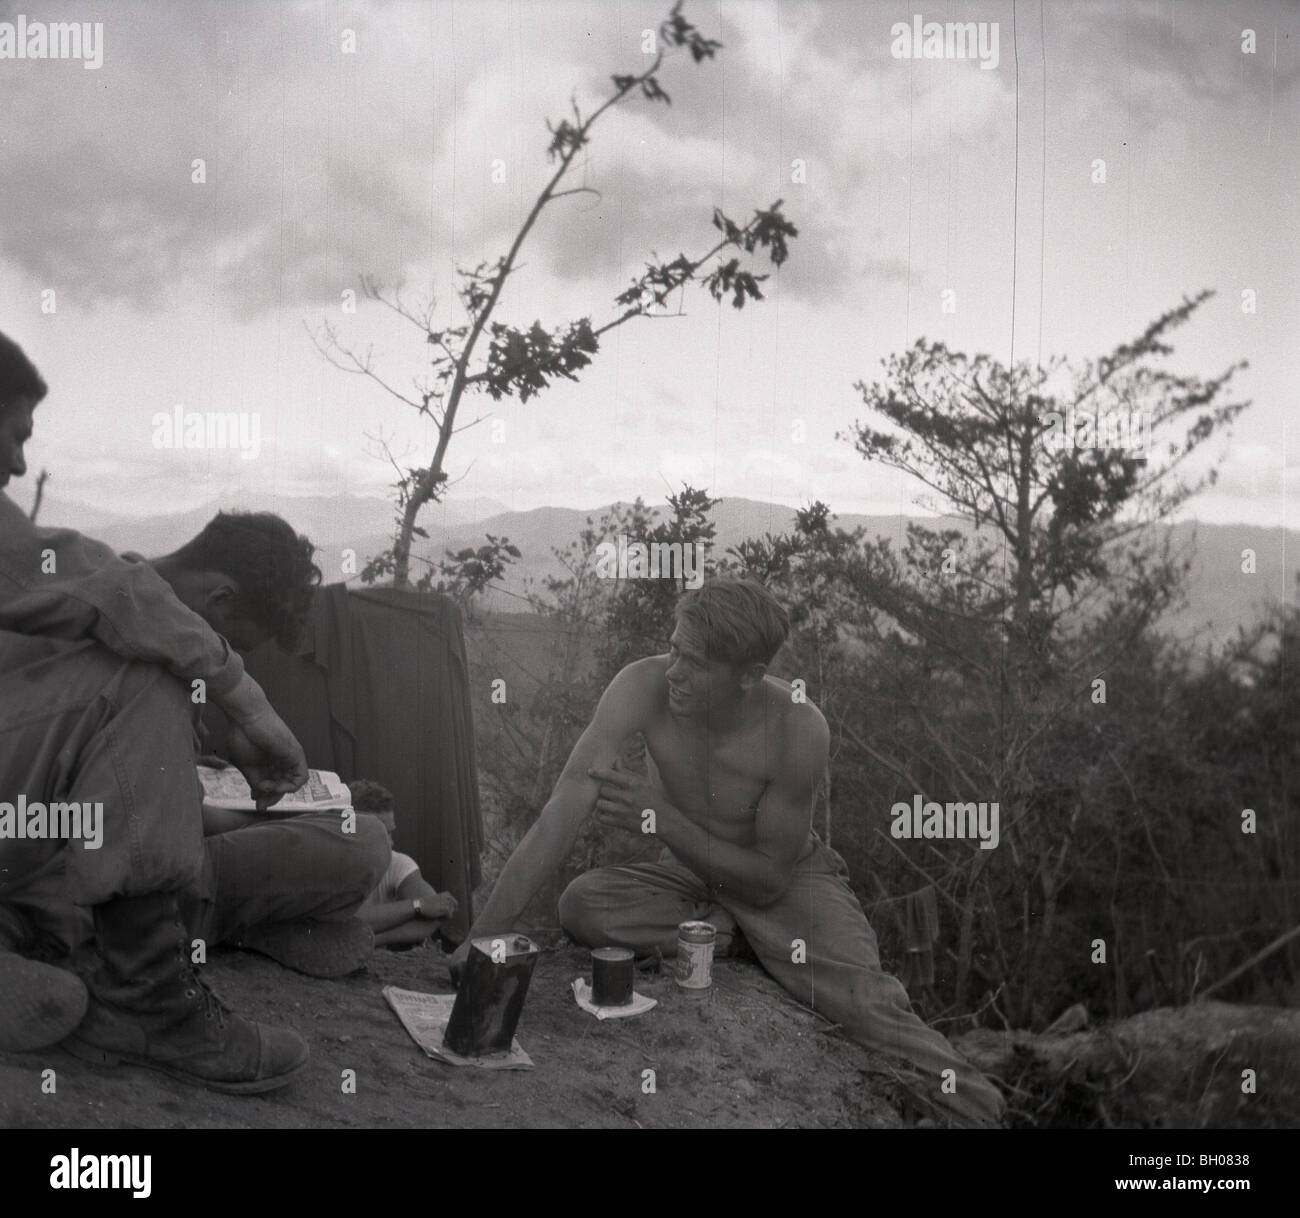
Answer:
(379, 689)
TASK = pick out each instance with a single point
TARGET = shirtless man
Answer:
(733, 769)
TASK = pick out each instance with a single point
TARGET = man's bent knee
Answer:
(373, 850)
(580, 910)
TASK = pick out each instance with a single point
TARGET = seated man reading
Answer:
(734, 766)
(288, 887)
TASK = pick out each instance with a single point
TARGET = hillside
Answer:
(1220, 598)
(745, 1057)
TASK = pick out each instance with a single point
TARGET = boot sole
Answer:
(107, 1057)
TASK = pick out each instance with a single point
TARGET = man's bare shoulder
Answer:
(641, 685)
(802, 728)
(642, 679)
(630, 704)
(796, 706)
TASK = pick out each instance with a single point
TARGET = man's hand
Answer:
(434, 905)
(625, 796)
(443, 905)
(268, 755)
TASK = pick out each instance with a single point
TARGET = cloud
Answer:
(1257, 472)
(318, 165)
(321, 165)
(303, 154)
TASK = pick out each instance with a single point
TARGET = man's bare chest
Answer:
(709, 780)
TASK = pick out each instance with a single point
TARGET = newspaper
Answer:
(227, 789)
(425, 1017)
(639, 1005)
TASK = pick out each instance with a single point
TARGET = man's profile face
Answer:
(696, 683)
(216, 600)
(242, 633)
(15, 431)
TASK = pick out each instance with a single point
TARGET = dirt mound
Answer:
(747, 1056)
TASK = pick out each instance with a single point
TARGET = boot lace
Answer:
(213, 1007)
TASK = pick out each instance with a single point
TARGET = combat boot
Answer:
(148, 1006)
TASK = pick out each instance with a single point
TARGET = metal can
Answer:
(612, 976)
(695, 942)
(491, 996)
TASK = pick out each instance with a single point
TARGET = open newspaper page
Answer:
(425, 1017)
(228, 790)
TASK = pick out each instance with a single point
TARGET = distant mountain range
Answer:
(1220, 597)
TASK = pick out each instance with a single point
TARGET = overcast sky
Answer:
(921, 175)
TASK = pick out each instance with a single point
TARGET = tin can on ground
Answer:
(492, 990)
(611, 976)
(695, 942)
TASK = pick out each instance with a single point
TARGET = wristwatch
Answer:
(415, 904)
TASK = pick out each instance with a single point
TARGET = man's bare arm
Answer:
(435, 905)
(385, 915)
(623, 709)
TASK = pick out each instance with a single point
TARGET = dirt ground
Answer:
(746, 1056)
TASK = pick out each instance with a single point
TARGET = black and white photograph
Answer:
(650, 565)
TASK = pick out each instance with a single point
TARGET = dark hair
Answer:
(370, 796)
(18, 375)
(739, 620)
(270, 564)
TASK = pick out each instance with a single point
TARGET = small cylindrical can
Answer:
(695, 942)
(611, 976)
